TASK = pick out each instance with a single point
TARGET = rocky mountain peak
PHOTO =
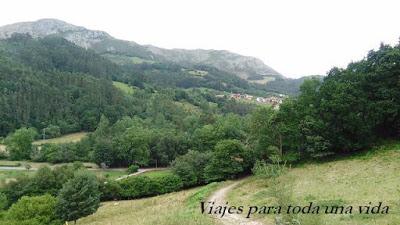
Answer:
(45, 27)
(248, 68)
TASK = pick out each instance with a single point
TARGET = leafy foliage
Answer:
(227, 161)
(79, 197)
(34, 210)
(19, 143)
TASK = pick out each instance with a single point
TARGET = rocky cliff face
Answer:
(246, 67)
(44, 27)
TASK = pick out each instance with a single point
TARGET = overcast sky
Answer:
(295, 37)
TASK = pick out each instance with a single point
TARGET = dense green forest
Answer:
(172, 119)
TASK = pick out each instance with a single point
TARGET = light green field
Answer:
(68, 138)
(124, 87)
(370, 177)
(157, 173)
(179, 208)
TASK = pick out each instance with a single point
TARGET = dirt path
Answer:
(230, 219)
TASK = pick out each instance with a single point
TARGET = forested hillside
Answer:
(218, 69)
(51, 81)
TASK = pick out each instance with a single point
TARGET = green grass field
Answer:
(68, 138)
(368, 177)
(157, 173)
(169, 209)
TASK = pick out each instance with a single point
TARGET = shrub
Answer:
(228, 160)
(190, 167)
(138, 186)
(169, 183)
(133, 169)
(143, 186)
(110, 190)
(34, 210)
(51, 131)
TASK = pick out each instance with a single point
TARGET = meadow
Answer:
(157, 173)
(168, 209)
(68, 138)
(367, 177)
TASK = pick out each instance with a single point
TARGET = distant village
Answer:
(274, 101)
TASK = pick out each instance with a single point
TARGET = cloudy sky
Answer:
(295, 37)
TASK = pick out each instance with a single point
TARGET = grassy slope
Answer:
(369, 177)
(74, 137)
(157, 173)
(170, 209)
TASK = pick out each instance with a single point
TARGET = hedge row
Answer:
(140, 186)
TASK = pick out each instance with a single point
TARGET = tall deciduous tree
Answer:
(19, 144)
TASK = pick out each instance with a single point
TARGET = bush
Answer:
(34, 210)
(138, 186)
(228, 160)
(51, 131)
(109, 190)
(168, 183)
(133, 169)
(190, 167)
(143, 186)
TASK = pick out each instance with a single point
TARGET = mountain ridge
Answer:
(246, 67)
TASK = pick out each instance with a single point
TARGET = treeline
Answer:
(350, 110)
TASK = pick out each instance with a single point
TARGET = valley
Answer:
(98, 130)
